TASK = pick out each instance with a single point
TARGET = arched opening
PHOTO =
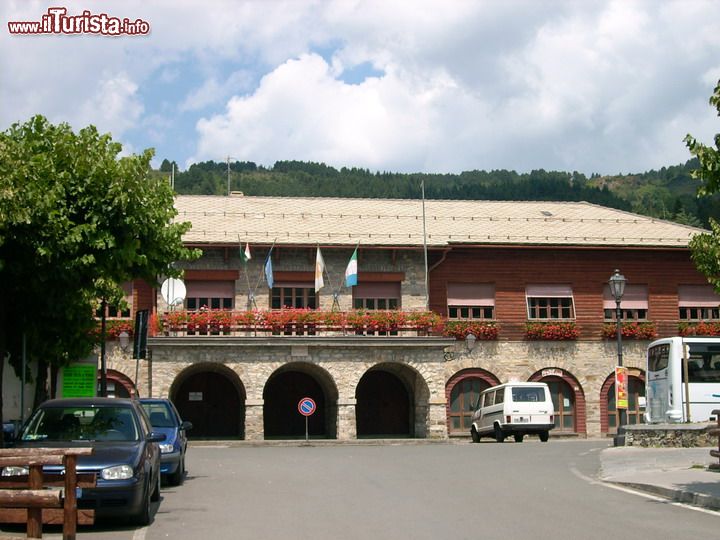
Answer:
(282, 393)
(568, 400)
(391, 401)
(461, 392)
(118, 384)
(636, 395)
(213, 399)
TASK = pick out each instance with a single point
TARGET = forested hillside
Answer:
(668, 193)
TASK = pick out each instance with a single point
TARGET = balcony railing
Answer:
(297, 322)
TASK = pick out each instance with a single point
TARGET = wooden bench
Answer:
(31, 499)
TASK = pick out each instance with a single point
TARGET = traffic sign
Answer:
(306, 406)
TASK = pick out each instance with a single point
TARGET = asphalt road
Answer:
(488, 490)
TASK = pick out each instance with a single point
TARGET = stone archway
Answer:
(212, 397)
(282, 393)
(118, 384)
(391, 401)
(461, 393)
(568, 399)
(608, 412)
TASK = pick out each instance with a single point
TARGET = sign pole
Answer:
(306, 407)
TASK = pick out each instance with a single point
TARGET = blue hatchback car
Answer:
(125, 459)
(165, 419)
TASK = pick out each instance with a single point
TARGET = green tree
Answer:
(705, 248)
(76, 221)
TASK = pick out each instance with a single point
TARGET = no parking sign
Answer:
(306, 406)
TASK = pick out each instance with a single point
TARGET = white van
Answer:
(514, 408)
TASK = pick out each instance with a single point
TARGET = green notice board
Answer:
(79, 380)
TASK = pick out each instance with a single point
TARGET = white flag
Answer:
(319, 269)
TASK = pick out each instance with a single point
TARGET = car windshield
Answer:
(159, 413)
(82, 423)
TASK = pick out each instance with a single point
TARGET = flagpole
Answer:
(425, 250)
(251, 295)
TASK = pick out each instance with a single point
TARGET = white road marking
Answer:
(631, 491)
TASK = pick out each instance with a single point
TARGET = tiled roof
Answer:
(399, 222)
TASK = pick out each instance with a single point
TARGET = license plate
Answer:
(522, 420)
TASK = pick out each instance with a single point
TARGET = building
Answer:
(519, 272)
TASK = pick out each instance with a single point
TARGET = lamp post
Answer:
(617, 288)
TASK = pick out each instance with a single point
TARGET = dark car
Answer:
(126, 456)
(165, 419)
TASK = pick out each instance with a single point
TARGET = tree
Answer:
(76, 221)
(705, 248)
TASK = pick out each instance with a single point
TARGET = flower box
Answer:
(631, 330)
(554, 331)
(702, 328)
(482, 330)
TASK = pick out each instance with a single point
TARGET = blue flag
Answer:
(268, 270)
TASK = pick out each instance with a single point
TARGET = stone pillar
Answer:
(254, 420)
(347, 428)
(437, 420)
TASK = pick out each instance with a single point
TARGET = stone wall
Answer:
(671, 435)
(425, 365)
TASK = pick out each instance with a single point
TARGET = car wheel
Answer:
(544, 436)
(142, 518)
(474, 434)
(519, 437)
(155, 495)
(499, 435)
(178, 477)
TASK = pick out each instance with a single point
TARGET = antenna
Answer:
(228, 176)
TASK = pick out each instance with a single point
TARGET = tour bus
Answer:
(665, 385)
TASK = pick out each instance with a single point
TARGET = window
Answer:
(209, 295)
(488, 399)
(377, 295)
(698, 303)
(550, 302)
(470, 301)
(634, 303)
(293, 295)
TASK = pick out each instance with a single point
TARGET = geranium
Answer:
(703, 328)
(551, 330)
(631, 330)
(482, 330)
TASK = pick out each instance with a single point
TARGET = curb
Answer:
(676, 495)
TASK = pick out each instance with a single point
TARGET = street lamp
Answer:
(617, 288)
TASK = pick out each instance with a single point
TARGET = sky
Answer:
(445, 86)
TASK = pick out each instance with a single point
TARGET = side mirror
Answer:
(155, 437)
(186, 425)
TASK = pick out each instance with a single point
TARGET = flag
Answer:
(351, 271)
(245, 255)
(268, 270)
(319, 269)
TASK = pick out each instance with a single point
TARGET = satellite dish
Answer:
(173, 291)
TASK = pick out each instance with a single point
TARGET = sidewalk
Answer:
(679, 474)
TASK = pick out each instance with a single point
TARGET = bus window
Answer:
(658, 357)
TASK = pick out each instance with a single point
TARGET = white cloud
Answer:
(596, 86)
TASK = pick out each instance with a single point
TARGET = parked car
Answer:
(165, 418)
(125, 460)
(516, 409)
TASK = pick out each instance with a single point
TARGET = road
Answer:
(434, 491)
